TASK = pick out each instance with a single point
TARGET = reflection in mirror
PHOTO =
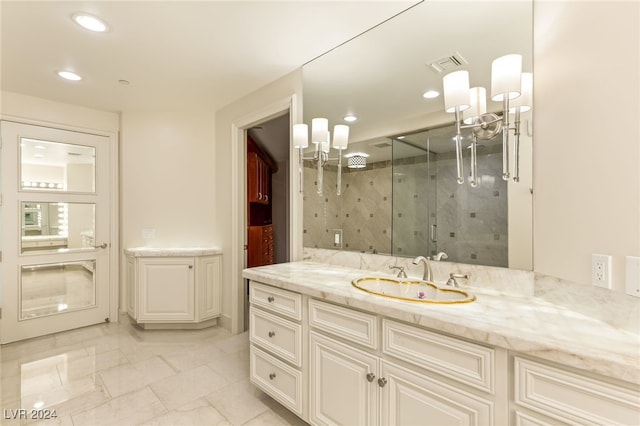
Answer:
(49, 289)
(54, 226)
(381, 77)
(53, 166)
(432, 213)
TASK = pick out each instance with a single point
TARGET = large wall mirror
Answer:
(399, 193)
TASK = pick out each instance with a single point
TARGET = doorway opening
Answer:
(267, 195)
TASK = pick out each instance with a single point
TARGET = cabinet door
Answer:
(344, 386)
(166, 291)
(209, 287)
(253, 177)
(410, 398)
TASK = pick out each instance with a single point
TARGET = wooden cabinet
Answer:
(260, 246)
(258, 179)
(164, 291)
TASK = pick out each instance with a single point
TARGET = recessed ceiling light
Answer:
(68, 75)
(90, 22)
(350, 118)
(430, 94)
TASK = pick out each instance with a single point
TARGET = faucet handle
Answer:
(452, 279)
(401, 273)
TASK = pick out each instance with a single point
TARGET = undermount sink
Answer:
(413, 291)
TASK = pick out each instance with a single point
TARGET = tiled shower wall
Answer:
(471, 223)
(362, 212)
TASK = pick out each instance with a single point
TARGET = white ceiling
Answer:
(175, 54)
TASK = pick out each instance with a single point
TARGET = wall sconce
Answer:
(508, 84)
(321, 138)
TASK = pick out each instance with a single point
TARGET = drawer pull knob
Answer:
(371, 377)
(272, 333)
(382, 381)
(270, 299)
(272, 376)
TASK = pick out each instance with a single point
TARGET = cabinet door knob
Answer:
(371, 377)
(272, 333)
(272, 376)
(270, 299)
(259, 195)
(382, 381)
(266, 198)
(190, 266)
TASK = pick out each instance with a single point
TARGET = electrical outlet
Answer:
(601, 270)
(337, 238)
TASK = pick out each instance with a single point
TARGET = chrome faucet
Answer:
(428, 274)
(401, 273)
(452, 279)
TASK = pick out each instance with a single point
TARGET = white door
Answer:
(344, 387)
(55, 230)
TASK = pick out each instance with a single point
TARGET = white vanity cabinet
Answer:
(360, 367)
(548, 394)
(169, 288)
(378, 382)
(277, 350)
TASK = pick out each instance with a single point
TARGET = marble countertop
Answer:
(526, 324)
(171, 251)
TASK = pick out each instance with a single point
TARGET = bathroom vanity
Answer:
(174, 288)
(333, 354)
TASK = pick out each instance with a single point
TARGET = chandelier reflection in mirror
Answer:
(510, 86)
(321, 138)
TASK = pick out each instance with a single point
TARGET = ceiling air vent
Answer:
(381, 144)
(448, 63)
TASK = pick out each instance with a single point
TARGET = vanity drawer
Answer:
(465, 362)
(279, 336)
(357, 327)
(276, 378)
(276, 300)
(573, 398)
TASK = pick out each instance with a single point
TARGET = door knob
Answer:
(382, 381)
(371, 377)
(102, 246)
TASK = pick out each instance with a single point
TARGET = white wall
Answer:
(275, 92)
(586, 136)
(167, 180)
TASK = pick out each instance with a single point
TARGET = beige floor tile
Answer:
(198, 412)
(130, 409)
(187, 386)
(239, 402)
(118, 373)
(129, 377)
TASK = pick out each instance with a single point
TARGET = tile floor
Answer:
(122, 375)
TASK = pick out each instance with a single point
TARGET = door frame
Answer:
(114, 198)
(239, 196)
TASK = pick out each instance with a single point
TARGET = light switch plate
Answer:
(632, 275)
